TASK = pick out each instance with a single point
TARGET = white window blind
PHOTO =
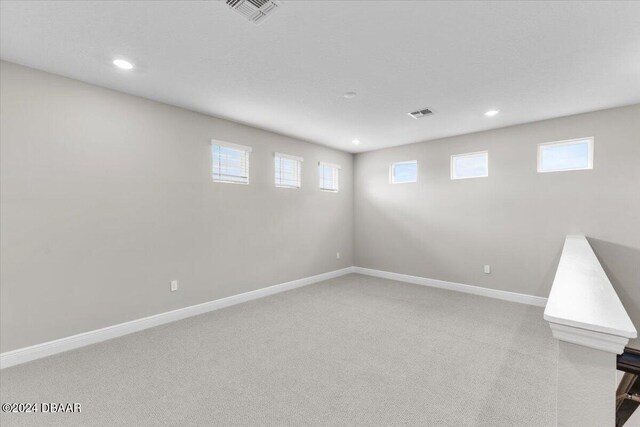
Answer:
(470, 165)
(574, 154)
(288, 170)
(404, 172)
(329, 176)
(230, 162)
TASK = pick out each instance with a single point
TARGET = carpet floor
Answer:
(351, 351)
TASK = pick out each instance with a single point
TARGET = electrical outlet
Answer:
(174, 285)
(337, 255)
(487, 269)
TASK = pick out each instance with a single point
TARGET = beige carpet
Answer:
(354, 350)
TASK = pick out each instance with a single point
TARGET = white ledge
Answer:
(583, 308)
(599, 341)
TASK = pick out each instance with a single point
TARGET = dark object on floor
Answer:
(628, 393)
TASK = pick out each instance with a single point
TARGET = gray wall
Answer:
(516, 219)
(107, 197)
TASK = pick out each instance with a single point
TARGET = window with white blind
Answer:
(288, 170)
(403, 172)
(570, 155)
(230, 162)
(329, 176)
(470, 165)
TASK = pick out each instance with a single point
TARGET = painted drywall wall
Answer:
(582, 368)
(516, 219)
(106, 197)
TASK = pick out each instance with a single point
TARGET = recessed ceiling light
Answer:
(350, 95)
(491, 113)
(121, 63)
(356, 141)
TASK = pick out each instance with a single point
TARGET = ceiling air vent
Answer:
(421, 113)
(255, 11)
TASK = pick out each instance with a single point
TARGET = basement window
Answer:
(403, 172)
(329, 176)
(570, 155)
(230, 162)
(288, 170)
(470, 165)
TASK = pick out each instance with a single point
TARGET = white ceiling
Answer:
(530, 60)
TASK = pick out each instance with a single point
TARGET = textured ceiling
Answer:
(530, 60)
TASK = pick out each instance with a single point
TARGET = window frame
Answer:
(454, 177)
(405, 162)
(320, 174)
(299, 161)
(247, 149)
(590, 153)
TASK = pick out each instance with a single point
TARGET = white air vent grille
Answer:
(255, 11)
(421, 113)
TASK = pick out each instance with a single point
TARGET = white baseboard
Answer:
(476, 290)
(38, 351)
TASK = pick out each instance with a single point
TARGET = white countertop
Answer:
(582, 295)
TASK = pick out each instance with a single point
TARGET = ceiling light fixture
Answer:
(350, 95)
(491, 113)
(122, 64)
(356, 141)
